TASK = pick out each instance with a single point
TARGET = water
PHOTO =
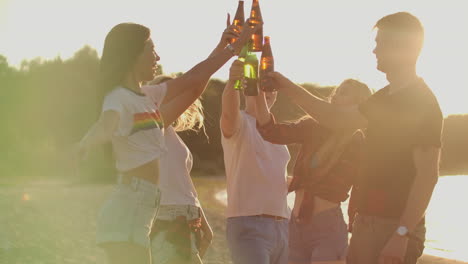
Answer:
(445, 221)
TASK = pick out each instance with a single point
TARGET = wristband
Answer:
(231, 49)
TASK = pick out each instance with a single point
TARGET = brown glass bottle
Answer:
(256, 18)
(239, 18)
(267, 64)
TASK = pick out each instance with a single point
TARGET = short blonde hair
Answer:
(192, 118)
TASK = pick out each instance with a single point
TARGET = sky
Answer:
(318, 41)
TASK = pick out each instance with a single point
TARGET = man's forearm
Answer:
(423, 186)
(325, 113)
(418, 201)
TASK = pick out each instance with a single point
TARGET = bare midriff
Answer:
(148, 171)
(321, 205)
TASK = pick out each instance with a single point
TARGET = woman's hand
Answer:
(231, 32)
(206, 239)
(245, 36)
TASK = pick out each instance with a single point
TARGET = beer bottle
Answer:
(238, 18)
(242, 55)
(256, 18)
(251, 74)
(267, 64)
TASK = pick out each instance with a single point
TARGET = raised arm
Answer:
(230, 113)
(328, 115)
(263, 112)
(101, 132)
(177, 100)
(282, 133)
(197, 78)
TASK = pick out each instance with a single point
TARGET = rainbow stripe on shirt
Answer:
(146, 120)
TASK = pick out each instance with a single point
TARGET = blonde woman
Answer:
(323, 175)
(181, 233)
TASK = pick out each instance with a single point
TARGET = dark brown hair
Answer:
(407, 28)
(122, 46)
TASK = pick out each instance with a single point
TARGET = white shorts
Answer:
(128, 214)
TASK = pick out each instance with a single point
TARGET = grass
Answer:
(55, 222)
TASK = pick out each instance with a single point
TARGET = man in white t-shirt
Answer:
(257, 212)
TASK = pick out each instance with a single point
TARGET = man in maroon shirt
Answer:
(402, 148)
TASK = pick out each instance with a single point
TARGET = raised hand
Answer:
(236, 72)
(245, 36)
(231, 32)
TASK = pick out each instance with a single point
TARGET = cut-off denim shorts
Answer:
(128, 214)
(163, 251)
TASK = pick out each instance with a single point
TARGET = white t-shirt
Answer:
(138, 138)
(256, 172)
(175, 182)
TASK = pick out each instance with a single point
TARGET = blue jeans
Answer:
(257, 240)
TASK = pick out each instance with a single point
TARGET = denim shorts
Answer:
(162, 251)
(128, 214)
(323, 237)
(371, 233)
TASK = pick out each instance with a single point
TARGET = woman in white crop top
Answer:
(180, 210)
(134, 123)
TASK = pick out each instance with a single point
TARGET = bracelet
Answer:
(231, 49)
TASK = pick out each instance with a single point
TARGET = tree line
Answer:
(47, 105)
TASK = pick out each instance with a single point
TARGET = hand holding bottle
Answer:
(236, 72)
(244, 37)
(231, 33)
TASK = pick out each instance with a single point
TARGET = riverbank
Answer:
(55, 222)
(219, 193)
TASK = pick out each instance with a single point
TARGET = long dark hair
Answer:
(122, 46)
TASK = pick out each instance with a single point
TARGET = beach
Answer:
(55, 222)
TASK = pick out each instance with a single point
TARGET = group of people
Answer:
(383, 148)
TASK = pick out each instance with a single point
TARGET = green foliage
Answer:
(454, 158)
(47, 105)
